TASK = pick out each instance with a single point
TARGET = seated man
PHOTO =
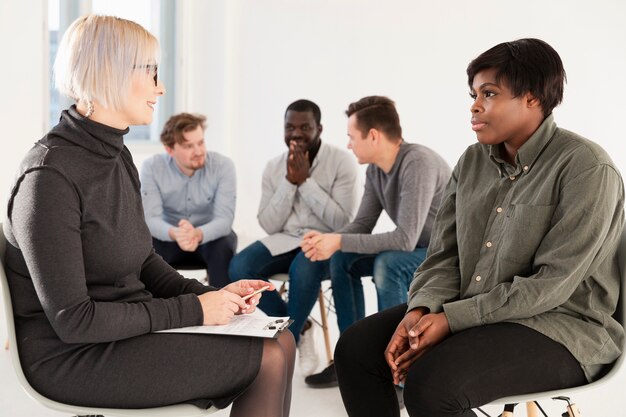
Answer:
(311, 186)
(189, 199)
(406, 180)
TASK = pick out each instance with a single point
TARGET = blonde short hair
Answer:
(97, 56)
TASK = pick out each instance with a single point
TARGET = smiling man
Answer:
(311, 186)
(189, 199)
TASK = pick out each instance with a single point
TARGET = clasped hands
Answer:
(219, 307)
(187, 236)
(418, 332)
(320, 246)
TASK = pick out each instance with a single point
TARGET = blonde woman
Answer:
(88, 288)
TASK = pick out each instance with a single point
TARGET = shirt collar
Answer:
(528, 153)
(174, 166)
(321, 154)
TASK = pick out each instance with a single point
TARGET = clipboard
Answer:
(250, 325)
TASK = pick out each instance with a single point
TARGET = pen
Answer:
(260, 290)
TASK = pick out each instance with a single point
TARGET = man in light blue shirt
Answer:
(189, 197)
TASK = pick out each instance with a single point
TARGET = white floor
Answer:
(308, 402)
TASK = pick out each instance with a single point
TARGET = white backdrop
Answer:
(242, 61)
(249, 59)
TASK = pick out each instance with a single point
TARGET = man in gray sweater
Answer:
(406, 180)
(310, 186)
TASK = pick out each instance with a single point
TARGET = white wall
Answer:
(23, 75)
(251, 59)
(243, 61)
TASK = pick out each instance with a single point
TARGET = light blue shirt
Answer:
(207, 199)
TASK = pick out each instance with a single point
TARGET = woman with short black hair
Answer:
(519, 284)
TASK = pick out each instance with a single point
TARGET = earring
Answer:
(90, 109)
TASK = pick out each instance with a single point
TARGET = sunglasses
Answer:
(149, 69)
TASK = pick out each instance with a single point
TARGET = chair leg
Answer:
(572, 411)
(282, 290)
(329, 353)
(508, 410)
(531, 409)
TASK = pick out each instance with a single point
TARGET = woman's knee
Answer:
(274, 363)
(352, 346)
(346, 344)
(288, 344)
(346, 352)
(427, 392)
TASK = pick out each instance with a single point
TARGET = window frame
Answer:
(164, 17)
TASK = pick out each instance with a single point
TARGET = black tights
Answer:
(270, 392)
(466, 370)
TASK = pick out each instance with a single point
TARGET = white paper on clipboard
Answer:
(250, 325)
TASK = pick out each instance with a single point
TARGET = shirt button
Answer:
(525, 167)
(478, 278)
(488, 244)
(512, 178)
(499, 209)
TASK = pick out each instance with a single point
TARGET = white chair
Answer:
(178, 410)
(531, 400)
(284, 278)
(203, 277)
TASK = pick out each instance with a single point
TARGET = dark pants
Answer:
(305, 279)
(468, 369)
(214, 256)
(391, 271)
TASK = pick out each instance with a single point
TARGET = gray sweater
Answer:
(324, 202)
(80, 261)
(410, 194)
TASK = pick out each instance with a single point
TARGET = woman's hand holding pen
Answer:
(220, 306)
(250, 291)
(240, 297)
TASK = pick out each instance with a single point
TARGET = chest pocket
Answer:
(525, 227)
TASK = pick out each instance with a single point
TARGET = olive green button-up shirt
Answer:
(532, 244)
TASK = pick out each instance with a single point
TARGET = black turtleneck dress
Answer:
(88, 289)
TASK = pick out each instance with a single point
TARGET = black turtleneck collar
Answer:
(98, 138)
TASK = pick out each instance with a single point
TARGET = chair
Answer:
(284, 278)
(177, 410)
(198, 266)
(531, 400)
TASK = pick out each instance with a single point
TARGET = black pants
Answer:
(215, 256)
(468, 369)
